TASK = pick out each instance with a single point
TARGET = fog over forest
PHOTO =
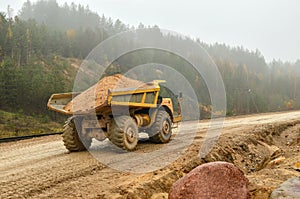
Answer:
(44, 37)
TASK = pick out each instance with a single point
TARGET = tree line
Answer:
(34, 46)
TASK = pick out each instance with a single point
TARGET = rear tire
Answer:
(71, 137)
(124, 133)
(161, 129)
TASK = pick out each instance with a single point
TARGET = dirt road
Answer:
(42, 167)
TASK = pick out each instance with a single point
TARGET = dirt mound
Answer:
(96, 95)
(251, 151)
(266, 155)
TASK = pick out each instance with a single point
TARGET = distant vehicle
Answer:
(120, 116)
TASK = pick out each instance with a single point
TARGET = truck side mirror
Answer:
(180, 95)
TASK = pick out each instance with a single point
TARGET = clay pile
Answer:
(96, 95)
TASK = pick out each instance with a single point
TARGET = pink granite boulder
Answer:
(212, 180)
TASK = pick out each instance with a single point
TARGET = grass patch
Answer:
(18, 124)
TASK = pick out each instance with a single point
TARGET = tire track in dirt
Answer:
(44, 174)
(28, 168)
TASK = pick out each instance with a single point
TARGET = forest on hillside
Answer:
(36, 44)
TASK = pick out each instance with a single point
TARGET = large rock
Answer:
(290, 189)
(212, 180)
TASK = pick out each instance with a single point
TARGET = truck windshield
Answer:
(167, 93)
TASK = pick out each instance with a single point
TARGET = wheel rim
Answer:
(130, 135)
(166, 127)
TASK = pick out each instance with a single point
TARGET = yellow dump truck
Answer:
(117, 112)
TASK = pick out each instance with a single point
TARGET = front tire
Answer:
(161, 129)
(124, 132)
(71, 137)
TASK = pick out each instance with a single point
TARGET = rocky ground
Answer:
(265, 147)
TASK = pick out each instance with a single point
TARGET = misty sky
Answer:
(272, 26)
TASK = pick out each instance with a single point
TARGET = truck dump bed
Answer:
(112, 90)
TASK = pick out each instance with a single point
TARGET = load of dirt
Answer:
(96, 95)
